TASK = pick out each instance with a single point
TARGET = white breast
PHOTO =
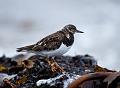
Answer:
(60, 51)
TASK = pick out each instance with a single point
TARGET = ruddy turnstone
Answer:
(55, 44)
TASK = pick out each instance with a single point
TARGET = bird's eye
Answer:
(72, 29)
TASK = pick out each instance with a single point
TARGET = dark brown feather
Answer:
(27, 48)
(50, 42)
(53, 41)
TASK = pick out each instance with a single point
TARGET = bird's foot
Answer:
(54, 65)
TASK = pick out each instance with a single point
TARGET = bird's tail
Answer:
(26, 48)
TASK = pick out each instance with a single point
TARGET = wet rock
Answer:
(36, 71)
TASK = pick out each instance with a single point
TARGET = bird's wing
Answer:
(25, 48)
(48, 43)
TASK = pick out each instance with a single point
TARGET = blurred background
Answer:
(24, 22)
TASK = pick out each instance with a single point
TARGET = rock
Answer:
(36, 72)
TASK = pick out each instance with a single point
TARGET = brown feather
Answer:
(50, 42)
(27, 48)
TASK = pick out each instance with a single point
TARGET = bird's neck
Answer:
(68, 38)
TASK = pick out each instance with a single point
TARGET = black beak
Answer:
(79, 31)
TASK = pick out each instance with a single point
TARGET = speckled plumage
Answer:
(53, 42)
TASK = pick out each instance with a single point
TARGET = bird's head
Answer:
(71, 29)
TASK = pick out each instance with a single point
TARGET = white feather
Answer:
(60, 51)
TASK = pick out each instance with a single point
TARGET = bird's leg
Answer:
(54, 65)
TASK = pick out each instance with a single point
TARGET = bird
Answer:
(56, 44)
